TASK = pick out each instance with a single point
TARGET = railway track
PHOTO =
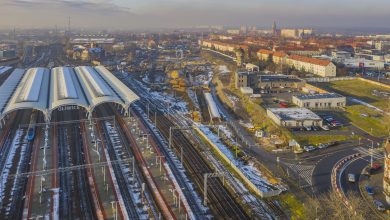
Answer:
(87, 209)
(221, 202)
(197, 209)
(75, 198)
(65, 178)
(54, 206)
(15, 159)
(31, 179)
(122, 180)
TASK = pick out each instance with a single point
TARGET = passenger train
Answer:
(31, 126)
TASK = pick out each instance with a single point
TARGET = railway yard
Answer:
(114, 160)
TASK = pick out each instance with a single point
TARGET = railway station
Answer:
(63, 88)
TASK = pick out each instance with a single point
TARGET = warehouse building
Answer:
(320, 101)
(268, 83)
(294, 117)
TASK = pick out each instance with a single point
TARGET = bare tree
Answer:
(332, 206)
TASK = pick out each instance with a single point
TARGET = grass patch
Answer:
(361, 90)
(380, 124)
(290, 202)
(317, 139)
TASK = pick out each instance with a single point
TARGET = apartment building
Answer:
(264, 55)
(324, 68)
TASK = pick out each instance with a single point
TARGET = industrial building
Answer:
(320, 101)
(48, 90)
(294, 117)
(363, 63)
(275, 82)
(7, 54)
(268, 83)
(340, 56)
(245, 79)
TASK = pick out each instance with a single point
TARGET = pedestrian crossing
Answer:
(304, 171)
(377, 153)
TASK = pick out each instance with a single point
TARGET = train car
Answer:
(31, 126)
(212, 107)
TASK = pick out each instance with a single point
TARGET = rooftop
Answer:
(263, 51)
(4, 69)
(314, 61)
(278, 78)
(47, 90)
(294, 114)
(319, 96)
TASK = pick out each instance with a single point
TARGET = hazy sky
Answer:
(129, 14)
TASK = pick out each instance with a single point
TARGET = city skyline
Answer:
(120, 14)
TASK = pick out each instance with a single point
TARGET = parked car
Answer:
(322, 146)
(351, 178)
(308, 128)
(329, 119)
(335, 123)
(325, 127)
(369, 190)
(379, 205)
(309, 148)
(375, 167)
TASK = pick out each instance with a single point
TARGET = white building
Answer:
(359, 63)
(340, 56)
(294, 117)
(320, 101)
(324, 68)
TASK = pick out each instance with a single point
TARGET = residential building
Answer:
(233, 31)
(324, 68)
(386, 175)
(320, 101)
(223, 47)
(294, 117)
(264, 55)
(279, 57)
(295, 33)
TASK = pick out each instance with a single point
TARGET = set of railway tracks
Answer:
(122, 179)
(221, 202)
(75, 197)
(14, 159)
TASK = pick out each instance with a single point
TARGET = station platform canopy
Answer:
(47, 90)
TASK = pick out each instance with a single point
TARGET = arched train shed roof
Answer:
(46, 90)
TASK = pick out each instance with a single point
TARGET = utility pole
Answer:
(371, 152)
